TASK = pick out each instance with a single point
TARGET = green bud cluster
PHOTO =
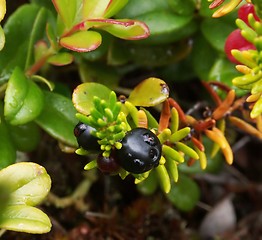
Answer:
(252, 79)
(108, 120)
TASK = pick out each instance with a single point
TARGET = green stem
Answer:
(77, 198)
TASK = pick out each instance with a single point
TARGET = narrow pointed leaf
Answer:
(24, 218)
(150, 92)
(61, 59)
(83, 41)
(23, 99)
(84, 93)
(28, 183)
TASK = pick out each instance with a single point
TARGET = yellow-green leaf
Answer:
(150, 92)
(24, 218)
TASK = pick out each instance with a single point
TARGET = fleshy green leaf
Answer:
(24, 218)
(40, 49)
(149, 185)
(58, 118)
(83, 41)
(23, 99)
(184, 194)
(36, 34)
(67, 10)
(17, 33)
(211, 29)
(183, 7)
(7, 149)
(203, 57)
(51, 36)
(98, 72)
(61, 59)
(28, 183)
(94, 8)
(224, 71)
(2, 38)
(84, 93)
(150, 92)
(122, 28)
(136, 8)
(25, 137)
(159, 55)
(114, 7)
(166, 26)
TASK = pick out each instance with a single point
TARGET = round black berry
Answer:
(84, 137)
(108, 164)
(140, 152)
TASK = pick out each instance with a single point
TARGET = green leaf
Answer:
(166, 27)
(17, 32)
(183, 7)
(211, 29)
(40, 50)
(25, 137)
(159, 55)
(94, 8)
(36, 34)
(58, 118)
(150, 92)
(136, 8)
(24, 218)
(7, 149)
(98, 72)
(83, 41)
(84, 93)
(61, 59)
(52, 36)
(224, 71)
(99, 52)
(203, 57)
(121, 28)
(114, 7)
(2, 38)
(28, 183)
(23, 99)
(184, 194)
(67, 10)
(149, 185)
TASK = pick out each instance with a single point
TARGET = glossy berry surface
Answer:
(140, 152)
(236, 41)
(108, 164)
(84, 137)
(245, 10)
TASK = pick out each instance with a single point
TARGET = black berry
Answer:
(140, 152)
(84, 137)
(108, 164)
